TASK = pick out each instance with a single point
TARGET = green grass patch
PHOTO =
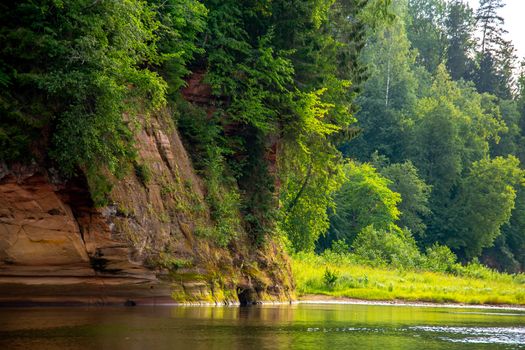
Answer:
(341, 276)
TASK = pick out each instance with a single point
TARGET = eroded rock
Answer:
(55, 246)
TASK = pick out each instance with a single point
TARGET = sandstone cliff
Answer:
(147, 246)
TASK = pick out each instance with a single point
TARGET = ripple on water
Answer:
(473, 335)
(477, 335)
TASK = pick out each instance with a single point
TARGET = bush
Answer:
(393, 247)
(143, 173)
(330, 278)
(475, 269)
(340, 247)
(439, 259)
(203, 135)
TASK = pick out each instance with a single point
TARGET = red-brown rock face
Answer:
(55, 247)
(36, 227)
(143, 247)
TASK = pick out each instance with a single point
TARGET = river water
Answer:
(299, 326)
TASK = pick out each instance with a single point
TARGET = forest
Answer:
(391, 132)
(437, 158)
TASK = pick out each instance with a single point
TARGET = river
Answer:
(298, 326)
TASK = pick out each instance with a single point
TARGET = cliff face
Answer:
(149, 245)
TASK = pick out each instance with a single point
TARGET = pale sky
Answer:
(514, 15)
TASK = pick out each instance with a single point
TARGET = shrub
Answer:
(330, 278)
(340, 247)
(475, 269)
(210, 156)
(439, 258)
(143, 173)
(167, 261)
(381, 247)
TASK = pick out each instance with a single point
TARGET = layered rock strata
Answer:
(145, 246)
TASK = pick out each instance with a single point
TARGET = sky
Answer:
(514, 15)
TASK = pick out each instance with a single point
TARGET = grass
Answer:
(473, 284)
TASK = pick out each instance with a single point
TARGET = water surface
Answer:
(303, 326)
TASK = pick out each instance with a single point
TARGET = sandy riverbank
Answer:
(326, 299)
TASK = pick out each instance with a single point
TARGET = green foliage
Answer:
(413, 109)
(308, 181)
(310, 173)
(393, 247)
(167, 261)
(363, 200)
(287, 80)
(280, 67)
(245, 66)
(415, 194)
(484, 204)
(453, 129)
(340, 247)
(222, 198)
(426, 31)
(99, 186)
(388, 94)
(143, 173)
(181, 22)
(330, 278)
(475, 269)
(76, 73)
(460, 29)
(204, 137)
(428, 125)
(512, 242)
(496, 58)
(474, 284)
(511, 139)
(439, 258)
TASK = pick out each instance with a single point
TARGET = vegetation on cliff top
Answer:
(76, 74)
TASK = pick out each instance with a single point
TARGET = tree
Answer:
(460, 26)
(352, 22)
(490, 24)
(452, 129)
(320, 110)
(72, 70)
(388, 96)
(511, 139)
(520, 104)
(512, 244)
(363, 200)
(496, 57)
(506, 58)
(181, 23)
(426, 31)
(484, 204)
(415, 194)
(392, 247)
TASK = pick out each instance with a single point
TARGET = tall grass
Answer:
(341, 275)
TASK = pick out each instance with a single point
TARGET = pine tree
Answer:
(506, 58)
(460, 25)
(491, 24)
(496, 56)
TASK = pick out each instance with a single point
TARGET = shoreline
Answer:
(326, 299)
(308, 299)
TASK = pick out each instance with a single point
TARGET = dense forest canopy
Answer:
(444, 107)
(362, 124)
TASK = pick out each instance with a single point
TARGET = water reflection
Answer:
(266, 327)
